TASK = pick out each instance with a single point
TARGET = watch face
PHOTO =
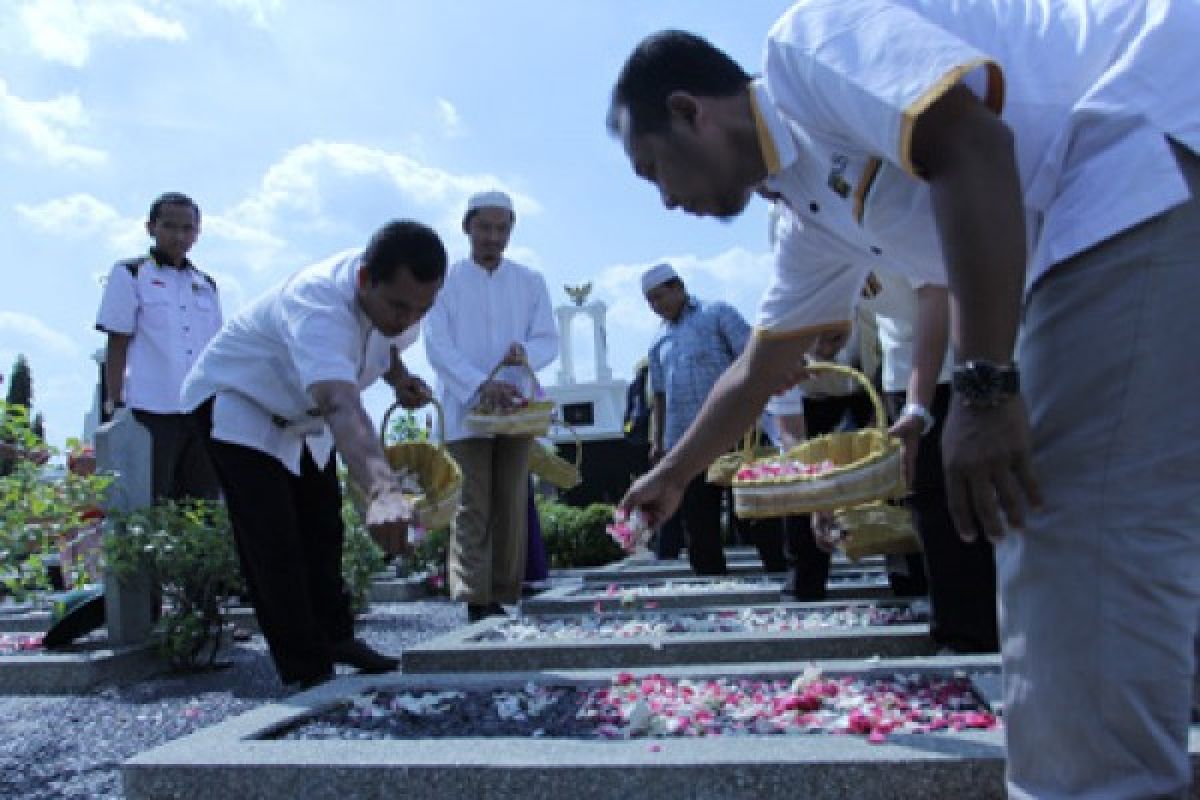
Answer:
(985, 384)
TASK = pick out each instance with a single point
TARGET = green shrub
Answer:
(362, 559)
(429, 556)
(186, 550)
(576, 537)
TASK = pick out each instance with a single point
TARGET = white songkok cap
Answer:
(490, 199)
(657, 275)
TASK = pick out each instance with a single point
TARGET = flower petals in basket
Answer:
(837, 470)
(531, 417)
(876, 529)
(722, 470)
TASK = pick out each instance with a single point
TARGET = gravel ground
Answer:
(73, 746)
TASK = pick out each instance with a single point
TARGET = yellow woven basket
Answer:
(532, 419)
(552, 468)
(877, 529)
(868, 466)
(725, 467)
(436, 471)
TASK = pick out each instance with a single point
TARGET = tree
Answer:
(39, 426)
(20, 384)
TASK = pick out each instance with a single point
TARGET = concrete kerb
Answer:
(463, 650)
(387, 588)
(235, 759)
(583, 598)
(79, 669)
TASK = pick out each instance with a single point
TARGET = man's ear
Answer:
(684, 106)
(149, 228)
(364, 278)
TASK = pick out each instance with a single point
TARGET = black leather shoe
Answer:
(358, 654)
(477, 612)
(304, 684)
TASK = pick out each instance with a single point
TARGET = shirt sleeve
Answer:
(118, 303)
(460, 377)
(868, 69)
(813, 289)
(654, 373)
(734, 329)
(322, 335)
(541, 342)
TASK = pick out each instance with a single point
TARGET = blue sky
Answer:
(300, 127)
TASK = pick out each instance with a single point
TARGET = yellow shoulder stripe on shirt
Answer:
(807, 330)
(766, 143)
(870, 171)
(993, 99)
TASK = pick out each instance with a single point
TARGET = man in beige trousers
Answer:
(492, 311)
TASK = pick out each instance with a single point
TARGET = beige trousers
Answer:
(491, 531)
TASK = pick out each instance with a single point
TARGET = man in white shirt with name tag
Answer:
(276, 391)
(960, 144)
(159, 311)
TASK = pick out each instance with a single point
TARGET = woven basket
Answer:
(438, 473)
(532, 419)
(877, 529)
(725, 467)
(552, 468)
(868, 466)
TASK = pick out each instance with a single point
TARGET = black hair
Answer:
(405, 243)
(666, 62)
(172, 199)
(470, 214)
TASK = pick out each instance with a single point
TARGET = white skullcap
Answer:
(657, 275)
(490, 199)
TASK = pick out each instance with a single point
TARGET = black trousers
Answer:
(182, 468)
(289, 532)
(962, 576)
(700, 514)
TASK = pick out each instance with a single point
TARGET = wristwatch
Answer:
(985, 384)
(110, 407)
(920, 412)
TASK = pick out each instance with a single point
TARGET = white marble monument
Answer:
(594, 408)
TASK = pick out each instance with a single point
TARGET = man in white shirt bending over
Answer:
(276, 391)
(492, 311)
(1031, 150)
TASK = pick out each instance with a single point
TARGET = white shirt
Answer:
(1089, 89)
(262, 364)
(477, 315)
(895, 308)
(171, 314)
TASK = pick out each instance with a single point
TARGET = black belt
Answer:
(284, 422)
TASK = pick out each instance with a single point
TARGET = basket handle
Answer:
(881, 421)
(441, 415)
(562, 423)
(537, 385)
(749, 440)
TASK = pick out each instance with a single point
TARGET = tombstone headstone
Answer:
(124, 447)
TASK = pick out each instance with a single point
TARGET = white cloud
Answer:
(26, 332)
(64, 30)
(451, 120)
(259, 11)
(42, 126)
(82, 216)
(312, 185)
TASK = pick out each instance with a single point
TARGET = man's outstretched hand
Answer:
(656, 495)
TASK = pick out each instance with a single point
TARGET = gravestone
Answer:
(124, 448)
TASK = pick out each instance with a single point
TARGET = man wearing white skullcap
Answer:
(694, 346)
(492, 312)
